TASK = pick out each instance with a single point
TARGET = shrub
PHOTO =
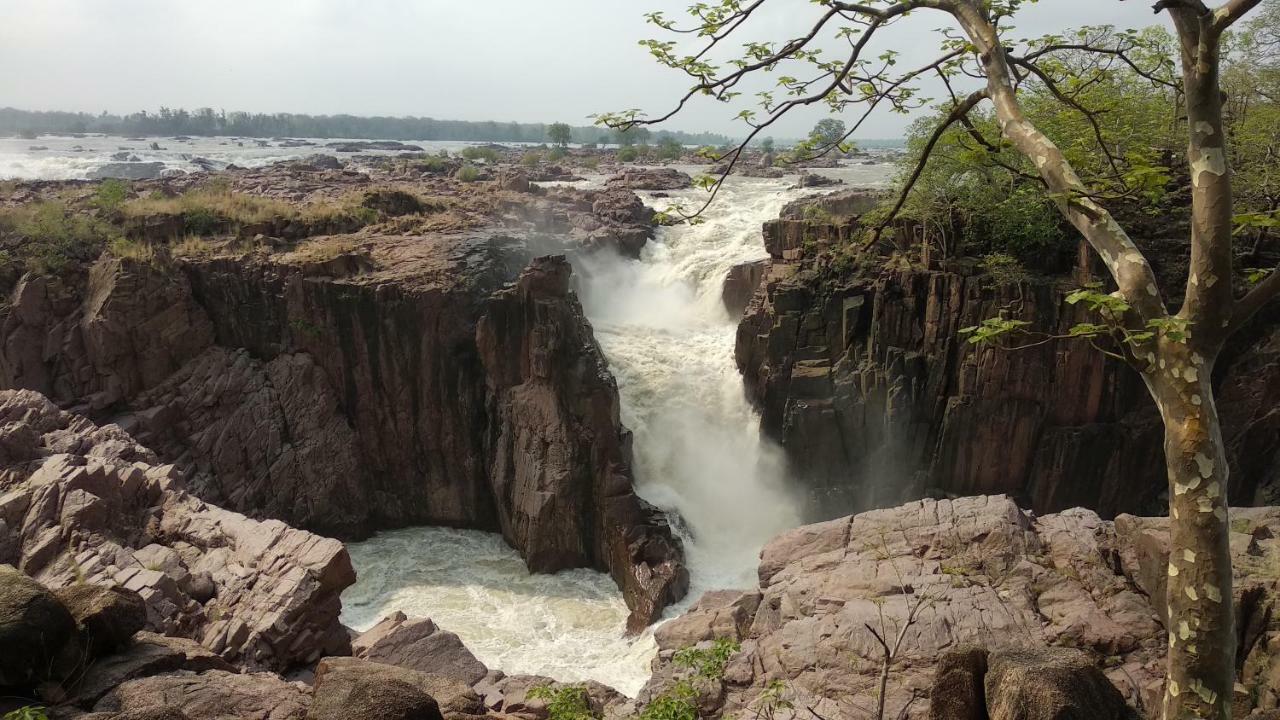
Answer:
(1003, 268)
(709, 663)
(125, 248)
(30, 712)
(678, 703)
(54, 238)
(111, 195)
(566, 703)
(627, 154)
(468, 173)
(474, 153)
(557, 153)
(531, 159)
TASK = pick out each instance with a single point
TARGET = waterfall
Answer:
(698, 454)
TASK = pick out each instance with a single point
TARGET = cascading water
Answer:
(698, 453)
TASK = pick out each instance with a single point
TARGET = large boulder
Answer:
(419, 644)
(342, 680)
(373, 699)
(650, 179)
(211, 695)
(107, 616)
(37, 633)
(958, 691)
(1050, 684)
(150, 654)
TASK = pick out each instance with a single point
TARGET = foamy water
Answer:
(698, 451)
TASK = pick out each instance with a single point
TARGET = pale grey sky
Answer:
(523, 60)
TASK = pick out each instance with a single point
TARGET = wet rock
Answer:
(354, 146)
(810, 180)
(318, 162)
(36, 631)
(650, 179)
(127, 171)
(561, 459)
(418, 644)
(740, 285)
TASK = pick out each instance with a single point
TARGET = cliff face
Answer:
(865, 380)
(392, 381)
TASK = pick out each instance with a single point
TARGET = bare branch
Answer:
(1254, 300)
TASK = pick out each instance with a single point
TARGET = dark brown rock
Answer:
(958, 686)
(740, 285)
(107, 616)
(36, 631)
(338, 678)
(1050, 684)
(561, 459)
(374, 699)
(650, 179)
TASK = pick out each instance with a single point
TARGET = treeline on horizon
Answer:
(210, 122)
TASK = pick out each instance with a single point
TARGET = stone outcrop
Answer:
(976, 571)
(421, 645)
(561, 469)
(865, 379)
(83, 504)
(339, 384)
(740, 285)
(650, 179)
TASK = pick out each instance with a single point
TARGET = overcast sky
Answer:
(523, 60)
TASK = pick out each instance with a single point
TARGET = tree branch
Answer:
(1254, 300)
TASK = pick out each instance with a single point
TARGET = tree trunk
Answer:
(1201, 662)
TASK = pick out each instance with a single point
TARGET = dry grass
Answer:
(193, 246)
(128, 249)
(322, 249)
(216, 202)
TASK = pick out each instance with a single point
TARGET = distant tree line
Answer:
(207, 122)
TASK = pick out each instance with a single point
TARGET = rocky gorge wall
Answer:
(348, 390)
(863, 376)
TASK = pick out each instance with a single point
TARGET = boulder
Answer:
(338, 679)
(740, 285)
(127, 171)
(650, 179)
(373, 699)
(211, 695)
(418, 644)
(958, 691)
(36, 631)
(811, 180)
(1050, 684)
(149, 654)
(107, 616)
(392, 203)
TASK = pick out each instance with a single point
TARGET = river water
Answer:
(698, 451)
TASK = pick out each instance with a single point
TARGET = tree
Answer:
(828, 132)
(560, 134)
(1173, 351)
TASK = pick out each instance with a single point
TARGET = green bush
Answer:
(111, 195)
(468, 173)
(557, 153)
(678, 703)
(1003, 268)
(566, 703)
(709, 663)
(531, 159)
(30, 712)
(627, 154)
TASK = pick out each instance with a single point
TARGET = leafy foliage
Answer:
(569, 702)
(110, 195)
(50, 237)
(480, 152)
(678, 703)
(708, 663)
(29, 712)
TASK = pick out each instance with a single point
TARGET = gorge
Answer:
(444, 354)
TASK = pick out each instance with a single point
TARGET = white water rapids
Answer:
(698, 453)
